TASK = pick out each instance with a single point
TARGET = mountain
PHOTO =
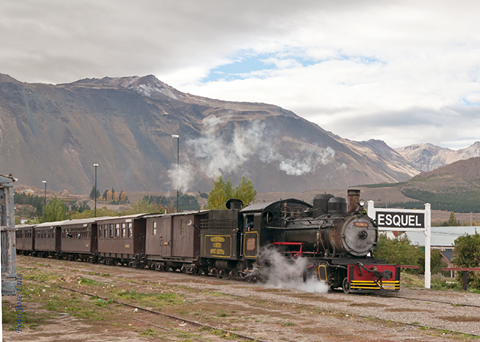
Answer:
(57, 132)
(428, 157)
(454, 187)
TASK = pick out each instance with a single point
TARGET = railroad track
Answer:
(245, 337)
(371, 295)
(333, 311)
(163, 314)
(429, 300)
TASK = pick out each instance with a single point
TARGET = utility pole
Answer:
(45, 204)
(175, 136)
(95, 165)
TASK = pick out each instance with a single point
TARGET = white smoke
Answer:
(181, 177)
(287, 273)
(306, 160)
(218, 155)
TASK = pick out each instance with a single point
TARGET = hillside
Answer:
(57, 132)
(454, 187)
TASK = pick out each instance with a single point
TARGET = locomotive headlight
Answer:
(361, 203)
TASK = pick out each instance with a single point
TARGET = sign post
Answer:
(408, 221)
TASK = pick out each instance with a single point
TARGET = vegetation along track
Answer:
(409, 310)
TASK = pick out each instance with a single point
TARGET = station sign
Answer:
(399, 219)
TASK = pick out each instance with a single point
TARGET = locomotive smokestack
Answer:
(353, 198)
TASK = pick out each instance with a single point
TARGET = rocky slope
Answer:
(57, 132)
(428, 157)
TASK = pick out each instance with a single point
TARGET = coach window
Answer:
(154, 227)
(117, 230)
(111, 230)
(130, 230)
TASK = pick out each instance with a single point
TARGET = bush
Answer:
(467, 254)
(398, 251)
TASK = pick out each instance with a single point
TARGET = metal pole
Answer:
(178, 165)
(95, 191)
(175, 136)
(45, 204)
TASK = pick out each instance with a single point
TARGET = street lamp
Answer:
(95, 191)
(175, 136)
(45, 204)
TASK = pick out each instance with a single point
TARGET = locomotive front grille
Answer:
(391, 285)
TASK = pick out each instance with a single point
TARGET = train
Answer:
(335, 236)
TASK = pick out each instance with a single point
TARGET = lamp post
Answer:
(175, 136)
(95, 191)
(45, 204)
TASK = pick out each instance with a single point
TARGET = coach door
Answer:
(58, 238)
(165, 232)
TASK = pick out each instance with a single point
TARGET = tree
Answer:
(452, 221)
(143, 206)
(467, 254)
(398, 251)
(92, 193)
(245, 191)
(55, 210)
(219, 194)
(435, 261)
(223, 191)
(91, 213)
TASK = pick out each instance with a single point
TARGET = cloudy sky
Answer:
(401, 71)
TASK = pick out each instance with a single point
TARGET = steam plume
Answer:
(287, 273)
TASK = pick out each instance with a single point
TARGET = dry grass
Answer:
(460, 318)
(407, 310)
(370, 305)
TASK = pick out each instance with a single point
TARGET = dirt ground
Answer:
(228, 308)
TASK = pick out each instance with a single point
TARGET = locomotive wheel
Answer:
(346, 285)
(196, 271)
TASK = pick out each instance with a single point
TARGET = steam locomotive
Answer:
(334, 236)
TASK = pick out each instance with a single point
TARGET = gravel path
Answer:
(319, 315)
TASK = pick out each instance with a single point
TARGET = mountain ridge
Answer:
(57, 132)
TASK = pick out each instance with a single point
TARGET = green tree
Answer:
(452, 221)
(89, 213)
(55, 210)
(143, 206)
(220, 193)
(435, 261)
(467, 254)
(92, 193)
(398, 251)
(245, 191)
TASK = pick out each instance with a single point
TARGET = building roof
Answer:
(442, 236)
(448, 255)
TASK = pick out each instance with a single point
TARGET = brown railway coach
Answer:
(122, 240)
(25, 235)
(48, 239)
(173, 240)
(79, 239)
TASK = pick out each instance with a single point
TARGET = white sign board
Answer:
(406, 220)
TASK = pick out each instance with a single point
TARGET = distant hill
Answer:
(428, 157)
(454, 187)
(57, 132)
